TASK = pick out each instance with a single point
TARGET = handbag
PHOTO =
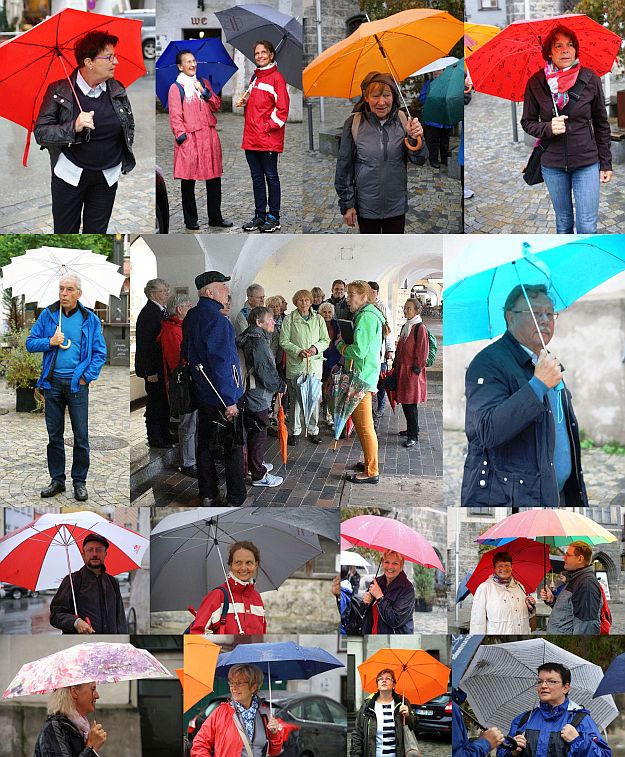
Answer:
(180, 396)
(411, 745)
(532, 173)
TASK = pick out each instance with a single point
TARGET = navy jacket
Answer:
(462, 746)
(396, 607)
(148, 354)
(512, 435)
(209, 340)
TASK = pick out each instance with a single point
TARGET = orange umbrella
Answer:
(283, 434)
(475, 35)
(200, 661)
(419, 676)
(401, 43)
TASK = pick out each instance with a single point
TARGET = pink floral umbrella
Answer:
(101, 662)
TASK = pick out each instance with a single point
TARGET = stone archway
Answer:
(613, 573)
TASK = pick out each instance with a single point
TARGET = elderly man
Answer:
(99, 605)
(255, 299)
(149, 363)
(523, 436)
(557, 726)
(577, 607)
(214, 361)
(70, 337)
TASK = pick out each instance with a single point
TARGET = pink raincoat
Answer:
(412, 389)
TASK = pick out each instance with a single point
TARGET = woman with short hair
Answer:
(390, 598)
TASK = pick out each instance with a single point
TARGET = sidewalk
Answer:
(23, 469)
(503, 203)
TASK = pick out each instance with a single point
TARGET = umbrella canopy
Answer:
(463, 647)
(244, 25)
(353, 558)
(39, 555)
(188, 552)
(200, 660)
(485, 275)
(379, 533)
(503, 66)
(410, 39)
(101, 662)
(475, 35)
(500, 682)
(309, 392)
(283, 434)
(530, 563)
(440, 64)
(613, 682)
(347, 390)
(462, 592)
(555, 527)
(445, 100)
(31, 61)
(36, 275)
(213, 63)
(284, 660)
(419, 676)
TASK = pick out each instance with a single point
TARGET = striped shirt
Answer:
(385, 743)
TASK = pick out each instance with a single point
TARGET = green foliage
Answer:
(610, 13)
(377, 9)
(613, 447)
(423, 580)
(21, 368)
(17, 244)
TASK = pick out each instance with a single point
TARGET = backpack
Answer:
(433, 346)
(605, 615)
(249, 378)
(224, 611)
(403, 119)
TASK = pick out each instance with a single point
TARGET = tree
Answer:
(17, 244)
(610, 13)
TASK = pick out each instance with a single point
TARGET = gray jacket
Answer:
(577, 608)
(371, 173)
(260, 369)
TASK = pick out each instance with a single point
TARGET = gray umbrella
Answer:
(244, 25)
(319, 520)
(189, 551)
(500, 682)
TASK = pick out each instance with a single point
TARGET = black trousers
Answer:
(213, 201)
(156, 411)
(256, 424)
(412, 421)
(207, 476)
(437, 141)
(394, 225)
(92, 199)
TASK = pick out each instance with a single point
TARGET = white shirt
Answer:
(64, 168)
(385, 745)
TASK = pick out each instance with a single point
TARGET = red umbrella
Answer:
(503, 66)
(391, 389)
(530, 563)
(44, 54)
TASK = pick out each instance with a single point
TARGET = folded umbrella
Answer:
(444, 103)
(283, 433)
(102, 662)
(462, 592)
(198, 674)
(348, 391)
(613, 681)
(419, 676)
(530, 564)
(308, 392)
(500, 682)
(213, 63)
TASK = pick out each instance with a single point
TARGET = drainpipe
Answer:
(322, 113)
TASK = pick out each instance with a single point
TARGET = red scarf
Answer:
(560, 81)
(376, 618)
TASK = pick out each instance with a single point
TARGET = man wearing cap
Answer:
(210, 348)
(98, 598)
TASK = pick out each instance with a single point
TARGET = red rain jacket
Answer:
(266, 112)
(249, 606)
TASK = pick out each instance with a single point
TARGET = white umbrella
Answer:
(353, 558)
(437, 65)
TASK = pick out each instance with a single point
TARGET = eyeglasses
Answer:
(551, 682)
(237, 684)
(571, 554)
(538, 315)
(110, 58)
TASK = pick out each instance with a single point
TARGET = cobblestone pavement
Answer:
(503, 203)
(434, 198)
(237, 199)
(604, 474)
(27, 207)
(23, 440)
(430, 745)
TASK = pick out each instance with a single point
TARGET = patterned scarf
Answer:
(503, 581)
(248, 716)
(560, 81)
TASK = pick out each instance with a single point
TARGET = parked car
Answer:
(314, 725)
(434, 716)
(148, 30)
(16, 592)
(162, 203)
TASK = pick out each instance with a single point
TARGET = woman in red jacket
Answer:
(409, 367)
(243, 562)
(266, 111)
(244, 724)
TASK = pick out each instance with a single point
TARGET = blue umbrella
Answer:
(613, 681)
(463, 592)
(213, 63)
(463, 647)
(486, 273)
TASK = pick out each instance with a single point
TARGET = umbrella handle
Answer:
(269, 679)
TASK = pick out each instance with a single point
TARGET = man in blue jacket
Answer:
(209, 346)
(557, 727)
(74, 352)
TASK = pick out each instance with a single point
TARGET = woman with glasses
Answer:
(87, 126)
(379, 728)
(242, 726)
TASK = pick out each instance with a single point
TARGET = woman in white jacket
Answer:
(500, 605)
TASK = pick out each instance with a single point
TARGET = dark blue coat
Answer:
(396, 607)
(512, 435)
(461, 744)
(208, 339)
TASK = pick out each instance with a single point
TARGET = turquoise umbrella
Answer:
(445, 100)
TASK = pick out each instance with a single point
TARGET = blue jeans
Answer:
(583, 184)
(57, 398)
(264, 167)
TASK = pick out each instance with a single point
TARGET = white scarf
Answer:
(238, 580)
(405, 329)
(188, 82)
(81, 723)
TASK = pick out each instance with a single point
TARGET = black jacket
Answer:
(396, 607)
(59, 737)
(148, 355)
(97, 597)
(577, 609)
(261, 380)
(587, 137)
(55, 123)
(512, 435)
(366, 726)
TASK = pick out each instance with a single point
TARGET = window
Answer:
(315, 711)
(337, 713)
(489, 5)
(480, 510)
(606, 516)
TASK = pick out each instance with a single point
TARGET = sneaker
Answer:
(468, 193)
(410, 442)
(268, 480)
(271, 224)
(268, 467)
(254, 224)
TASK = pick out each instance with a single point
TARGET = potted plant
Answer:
(21, 371)
(423, 580)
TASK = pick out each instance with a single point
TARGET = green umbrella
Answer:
(445, 100)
